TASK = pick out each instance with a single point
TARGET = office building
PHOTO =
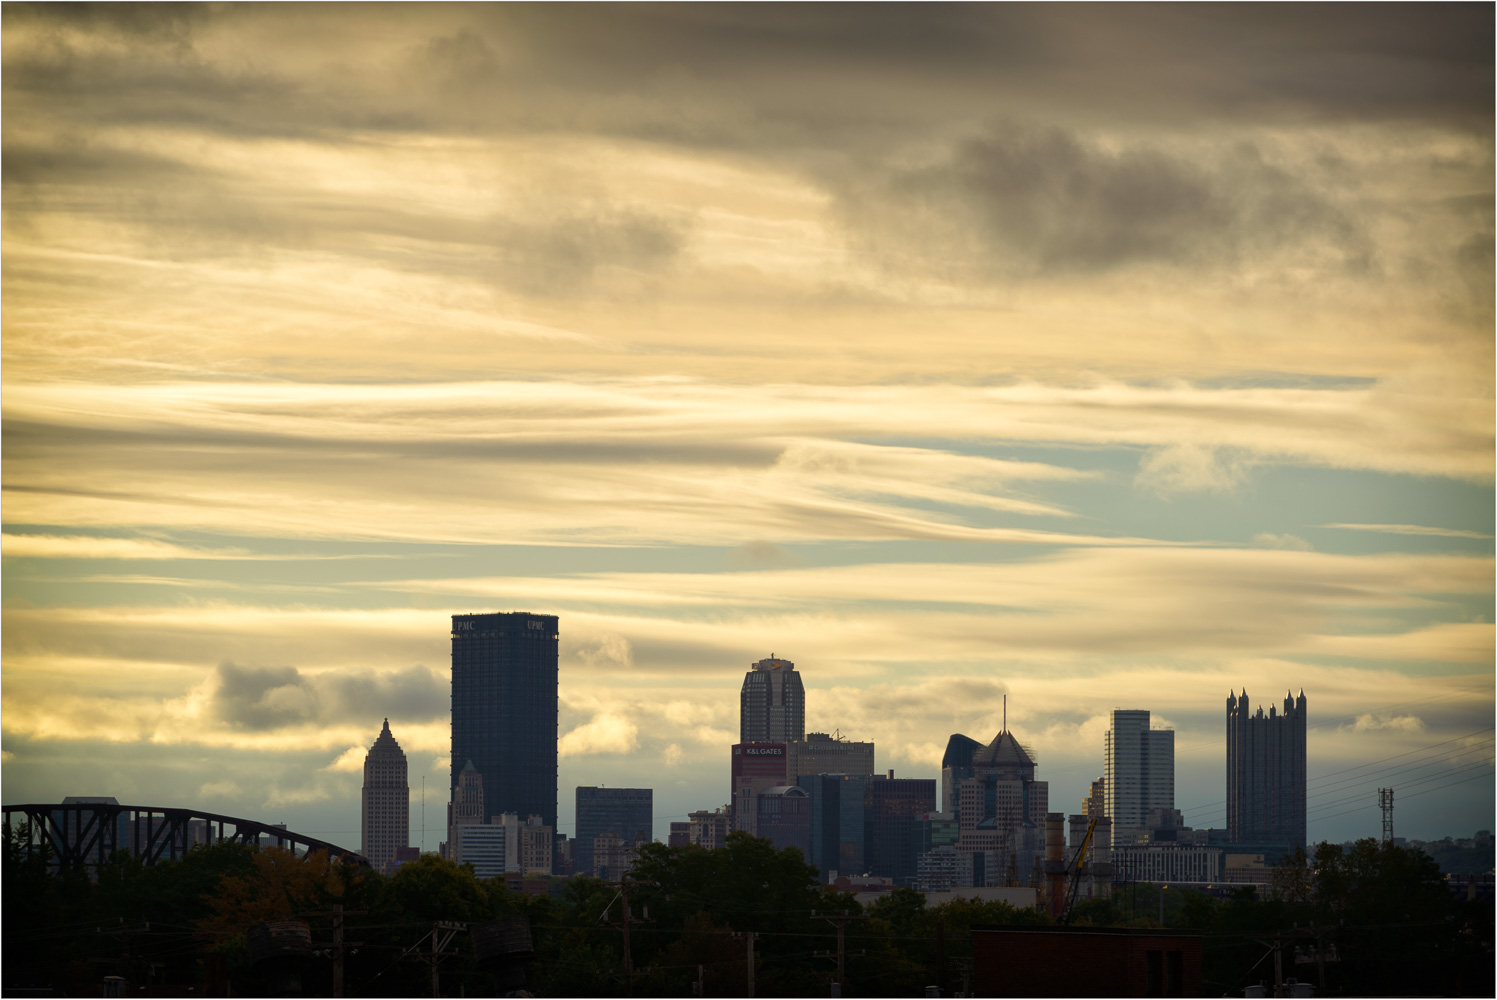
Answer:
(956, 766)
(892, 808)
(709, 830)
(1266, 772)
(772, 705)
(837, 822)
(467, 805)
(866, 823)
(755, 768)
(784, 817)
(1139, 774)
(482, 845)
(528, 846)
(614, 855)
(1095, 804)
(386, 802)
(820, 753)
(999, 807)
(1162, 863)
(504, 709)
(680, 835)
(627, 813)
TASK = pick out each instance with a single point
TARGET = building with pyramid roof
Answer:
(386, 801)
(998, 806)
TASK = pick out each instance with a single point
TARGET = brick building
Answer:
(1084, 962)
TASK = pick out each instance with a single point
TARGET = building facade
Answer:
(627, 813)
(1160, 863)
(1266, 772)
(1000, 809)
(386, 814)
(892, 808)
(482, 845)
(820, 753)
(1139, 775)
(772, 705)
(755, 768)
(785, 817)
(709, 829)
(504, 709)
(1095, 803)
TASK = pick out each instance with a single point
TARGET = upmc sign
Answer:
(758, 760)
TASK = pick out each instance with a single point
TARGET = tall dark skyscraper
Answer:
(772, 706)
(504, 709)
(1266, 772)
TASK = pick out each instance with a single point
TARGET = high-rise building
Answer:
(1000, 808)
(485, 846)
(386, 802)
(628, 813)
(784, 817)
(504, 709)
(772, 705)
(892, 808)
(866, 823)
(755, 768)
(1095, 803)
(820, 753)
(710, 829)
(1139, 776)
(1266, 772)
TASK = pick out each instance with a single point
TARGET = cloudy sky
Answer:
(1103, 357)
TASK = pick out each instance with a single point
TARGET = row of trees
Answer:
(695, 920)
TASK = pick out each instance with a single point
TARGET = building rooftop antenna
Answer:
(1005, 713)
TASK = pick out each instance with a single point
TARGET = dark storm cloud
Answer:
(414, 694)
(1027, 198)
(170, 23)
(774, 77)
(269, 698)
(262, 698)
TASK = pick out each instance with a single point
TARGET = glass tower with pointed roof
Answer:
(386, 801)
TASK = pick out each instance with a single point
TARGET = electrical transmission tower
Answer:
(1385, 802)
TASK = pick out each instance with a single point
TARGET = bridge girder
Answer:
(80, 835)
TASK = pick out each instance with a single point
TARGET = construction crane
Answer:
(1075, 884)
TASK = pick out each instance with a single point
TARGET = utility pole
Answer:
(439, 951)
(337, 913)
(628, 918)
(840, 922)
(750, 938)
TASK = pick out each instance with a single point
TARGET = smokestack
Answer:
(1055, 837)
(1102, 842)
(1078, 831)
(1055, 863)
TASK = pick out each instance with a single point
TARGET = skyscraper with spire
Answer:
(998, 806)
(386, 801)
(1266, 772)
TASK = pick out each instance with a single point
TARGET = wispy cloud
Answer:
(1410, 529)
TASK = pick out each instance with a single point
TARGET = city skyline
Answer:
(1105, 358)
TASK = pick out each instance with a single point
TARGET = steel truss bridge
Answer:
(78, 836)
